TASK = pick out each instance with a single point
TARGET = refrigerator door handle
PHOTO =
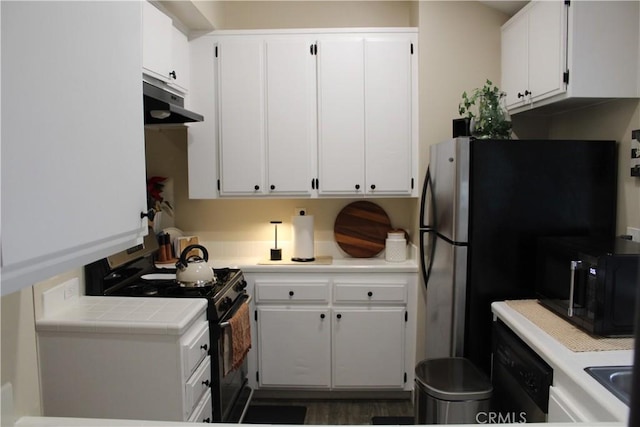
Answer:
(426, 268)
(427, 191)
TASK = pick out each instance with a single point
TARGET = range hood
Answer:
(163, 107)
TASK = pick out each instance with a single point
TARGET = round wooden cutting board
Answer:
(361, 229)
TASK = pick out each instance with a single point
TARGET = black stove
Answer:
(133, 273)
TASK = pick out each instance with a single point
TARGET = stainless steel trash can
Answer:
(451, 390)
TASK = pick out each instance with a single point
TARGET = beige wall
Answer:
(241, 15)
(19, 363)
(19, 357)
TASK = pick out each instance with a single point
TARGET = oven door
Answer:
(233, 392)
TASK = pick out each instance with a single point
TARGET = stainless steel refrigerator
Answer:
(484, 205)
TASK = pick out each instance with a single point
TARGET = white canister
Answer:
(396, 246)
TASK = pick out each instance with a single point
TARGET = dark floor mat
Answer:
(392, 420)
(275, 414)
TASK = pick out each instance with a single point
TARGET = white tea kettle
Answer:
(193, 271)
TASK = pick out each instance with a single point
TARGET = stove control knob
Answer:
(225, 304)
(240, 285)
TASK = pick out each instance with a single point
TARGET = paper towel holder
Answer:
(276, 253)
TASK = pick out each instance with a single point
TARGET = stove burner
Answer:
(141, 289)
(201, 291)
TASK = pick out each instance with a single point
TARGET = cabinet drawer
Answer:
(195, 347)
(292, 291)
(204, 410)
(374, 292)
(198, 384)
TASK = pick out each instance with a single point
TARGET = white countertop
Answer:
(338, 265)
(106, 314)
(569, 363)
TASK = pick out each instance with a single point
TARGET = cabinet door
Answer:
(368, 347)
(73, 179)
(515, 60)
(294, 346)
(547, 41)
(290, 116)
(157, 39)
(341, 116)
(388, 116)
(562, 409)
(179, 73)
(241, 109)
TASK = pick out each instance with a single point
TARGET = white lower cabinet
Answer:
(334, 331)
(295, 346)
(562, 409)
(126, 370)
(368, 347)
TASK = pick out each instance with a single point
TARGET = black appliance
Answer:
(164, 107)
(590, 282)
(133, 273)
(521, 379)
(484, 205)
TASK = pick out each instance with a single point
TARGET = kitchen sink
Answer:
(616, 379)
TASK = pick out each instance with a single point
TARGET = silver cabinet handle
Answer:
(575, 265)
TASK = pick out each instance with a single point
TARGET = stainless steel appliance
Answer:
(484, 205)
(521, 379)
(163, 107)
(590, 282)
(133, 273)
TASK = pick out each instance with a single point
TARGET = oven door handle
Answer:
(226, 324)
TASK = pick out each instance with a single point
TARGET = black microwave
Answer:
(590, 282)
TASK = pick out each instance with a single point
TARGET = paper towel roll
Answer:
(302, 226)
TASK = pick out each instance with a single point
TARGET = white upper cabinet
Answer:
(164, 49)
(341, 127)
(73, 168)
(266, 104)
(241, 116)
(290, 116)
(180, 64)
(552, 51)
(389, 107)
(307, 113)
(533, 47)
(366, 103)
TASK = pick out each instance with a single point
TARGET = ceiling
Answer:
(510, 7)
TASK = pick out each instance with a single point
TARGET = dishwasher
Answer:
(521, 380)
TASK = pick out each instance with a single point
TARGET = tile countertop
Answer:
(97, 314)
(568, 363)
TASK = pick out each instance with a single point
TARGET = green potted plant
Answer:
(486, 112)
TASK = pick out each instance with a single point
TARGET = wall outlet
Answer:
(71, 288)
(59, 297)
(300, 211)
(634, 233)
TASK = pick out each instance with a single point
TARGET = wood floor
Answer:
(345, 412)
